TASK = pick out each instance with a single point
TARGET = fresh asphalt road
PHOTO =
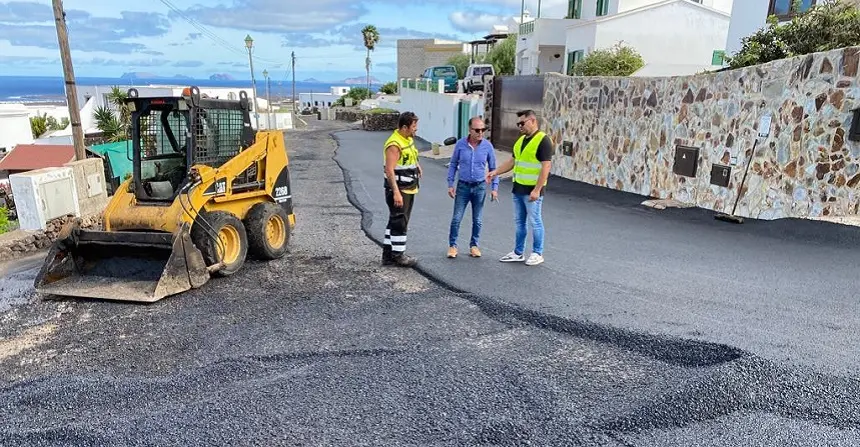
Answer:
(327, 347)
(783, 290)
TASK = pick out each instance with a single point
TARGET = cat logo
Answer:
(218, 188)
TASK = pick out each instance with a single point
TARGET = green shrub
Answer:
(381, 110)
(828, 25)
(620, 60)
(4, 219)
(389, 88)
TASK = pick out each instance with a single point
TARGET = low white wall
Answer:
(438, 113)
(279, 121)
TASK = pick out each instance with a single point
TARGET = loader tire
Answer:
(268, 231)
(232, 235)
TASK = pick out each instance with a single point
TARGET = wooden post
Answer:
(69, 75)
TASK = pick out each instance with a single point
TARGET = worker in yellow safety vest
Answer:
(531, 163)
(402, 172)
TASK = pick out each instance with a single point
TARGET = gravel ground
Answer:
(325, 347)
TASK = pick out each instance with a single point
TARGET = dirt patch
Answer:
(30, 338)
(408, 283)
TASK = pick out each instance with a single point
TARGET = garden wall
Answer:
(622, 133)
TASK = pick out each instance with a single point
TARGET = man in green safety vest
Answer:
(531, 163)
(402, 174)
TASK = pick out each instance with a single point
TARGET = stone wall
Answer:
(369, 121)
(380, 121)
(623, 133)
(351, 115)
(22, 242)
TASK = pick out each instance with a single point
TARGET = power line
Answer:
(211, 35)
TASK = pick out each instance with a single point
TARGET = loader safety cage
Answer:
(171, 134)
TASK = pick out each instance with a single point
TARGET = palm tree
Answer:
(114, 119)
(371, 38)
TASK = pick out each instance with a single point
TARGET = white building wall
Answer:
(627, 5)
(720, 5)
(581, 37)
(691, 39)
(748, 16)
(725, 6)
(551, 59)
(14, 126)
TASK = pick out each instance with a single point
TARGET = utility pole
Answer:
(294, 82)
(249, 43)
(69, 75)
(522, 15)
(269, 101)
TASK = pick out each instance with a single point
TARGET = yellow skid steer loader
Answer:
(205, 192)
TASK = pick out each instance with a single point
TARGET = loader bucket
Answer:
(123, 265)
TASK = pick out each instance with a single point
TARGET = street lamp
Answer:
(268, 101)
(249, 43)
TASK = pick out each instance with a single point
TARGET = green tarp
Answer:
(118, 154)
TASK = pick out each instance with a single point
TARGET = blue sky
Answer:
(200, 37)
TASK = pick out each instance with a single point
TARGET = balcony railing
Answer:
(527, 28)
(424, 85)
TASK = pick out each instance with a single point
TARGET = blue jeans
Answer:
(523, 209)
(466, 194)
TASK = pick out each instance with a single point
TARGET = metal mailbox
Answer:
(720, 175)
(686, 160)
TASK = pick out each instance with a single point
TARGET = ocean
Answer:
(36, 89)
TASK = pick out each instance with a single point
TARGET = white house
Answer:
(674, 36)
(322, 99)
(14, 126)
(749, 16)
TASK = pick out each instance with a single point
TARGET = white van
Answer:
(475, 76)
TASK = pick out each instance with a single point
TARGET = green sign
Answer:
(718, 58)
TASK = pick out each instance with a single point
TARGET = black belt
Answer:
(470, 183)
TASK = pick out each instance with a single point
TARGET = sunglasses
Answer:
(480, 130)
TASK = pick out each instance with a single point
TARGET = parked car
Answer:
(476, 76)
(447, 73)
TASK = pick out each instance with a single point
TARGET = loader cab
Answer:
(171, 134)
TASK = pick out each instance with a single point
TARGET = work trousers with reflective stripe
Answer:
(394, 242)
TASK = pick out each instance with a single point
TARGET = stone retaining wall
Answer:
(349, 115)
(622, 133)
(22, 242)
(369, 121)
(380, 121)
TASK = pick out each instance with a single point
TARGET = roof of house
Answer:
(28, 157)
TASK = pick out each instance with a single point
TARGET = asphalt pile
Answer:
(326, 347)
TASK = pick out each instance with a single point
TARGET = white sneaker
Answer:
(512, 257)
(534, 259)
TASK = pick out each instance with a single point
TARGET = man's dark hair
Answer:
(406, 119)
(528, 113)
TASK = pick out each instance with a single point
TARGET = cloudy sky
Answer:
(200, 37)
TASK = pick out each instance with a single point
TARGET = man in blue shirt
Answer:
(471, 158)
